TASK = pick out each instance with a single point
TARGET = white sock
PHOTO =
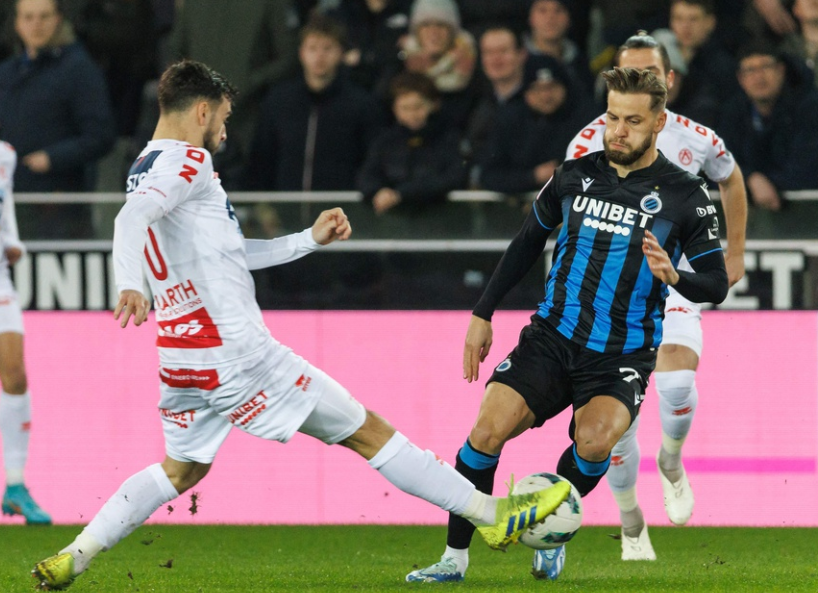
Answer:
(15, 422)
(677, 402)
(460, 557)
(131, 505)
(624, 467)
(422, 474)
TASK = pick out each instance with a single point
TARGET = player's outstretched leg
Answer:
(677, 405)
(547, 564)
(479, 468)
(15, 421)
(622, 475)
(131, 505)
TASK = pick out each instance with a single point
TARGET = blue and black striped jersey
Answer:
(600, 292)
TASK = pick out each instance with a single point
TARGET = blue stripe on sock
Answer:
(475, 459)
(591, 468)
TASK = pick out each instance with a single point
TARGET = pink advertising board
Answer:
(95, 389)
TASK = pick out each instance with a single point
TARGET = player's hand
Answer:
(385, 200)
(132, 303)
(13, 254)
(38, 161)
(763, 192)
(658, 260)
(331, 225)
(735, 266)
(478, 344)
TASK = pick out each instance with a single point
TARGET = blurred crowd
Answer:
(402, 100)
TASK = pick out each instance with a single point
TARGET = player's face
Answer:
(216, 131)
(36, 22)
(644, 58)
(501, 58)
(761, 77)
(435, 37)
(412, 110)
(691, 24)
(548, 19)
(320, 55)
(631, 127)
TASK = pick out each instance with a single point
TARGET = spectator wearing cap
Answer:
(772, 126)
(416, 162)
(529, 141)
(549, 24)
(707, 67)
(438, 47)
(502, 60)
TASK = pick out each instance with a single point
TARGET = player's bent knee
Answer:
(184, 475)
(14, 380)
(373, 434)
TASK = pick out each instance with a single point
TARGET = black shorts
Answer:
(551, 372)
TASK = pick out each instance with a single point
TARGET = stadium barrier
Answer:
(751, 456)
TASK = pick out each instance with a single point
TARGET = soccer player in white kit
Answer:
(15, 402)
(697, 149)
(219, 365)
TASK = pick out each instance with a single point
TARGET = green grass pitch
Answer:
(214, 559)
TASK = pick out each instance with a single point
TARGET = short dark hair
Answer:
(58, 6)
(518, 37)
(187, 81)
(633, 81)
(326, 26)
(643, 41)
(759, 47)
(708, 6)
(413, 82)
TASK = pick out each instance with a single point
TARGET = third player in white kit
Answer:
(699, 150)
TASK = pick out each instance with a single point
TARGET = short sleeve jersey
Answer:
(195, 260)
(693, 147)
(600, 292)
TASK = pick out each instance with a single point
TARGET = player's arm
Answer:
(734, 202)
(520, 255)
(707, 285)
(330, 225)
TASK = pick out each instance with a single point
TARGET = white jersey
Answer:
(693, 147)
(194, 257)
(9, 236)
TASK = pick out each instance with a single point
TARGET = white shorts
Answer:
(199, 407)
(683, 323)
(11, 317)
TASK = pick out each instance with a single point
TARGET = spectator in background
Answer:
(417, 161)
(254, 44)
(480, 15)
(439, 48)
(529, 141)
(804, 43)
(709, 73)
(122, 38)
(313, 132)
(550, 22)
(772, 127)
(54, 110)
(374, 28)
(502, 57)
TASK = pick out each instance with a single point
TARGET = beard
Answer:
(626, 158)
(212, 142)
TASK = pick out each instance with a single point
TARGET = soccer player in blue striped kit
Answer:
(626, 215)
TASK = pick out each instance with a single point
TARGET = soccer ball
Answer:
(558, 527)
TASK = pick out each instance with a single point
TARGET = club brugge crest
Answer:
(651, 203)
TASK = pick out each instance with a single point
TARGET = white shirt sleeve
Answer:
(130, 234)
(266, 253)
(718, 161)
(9, 237)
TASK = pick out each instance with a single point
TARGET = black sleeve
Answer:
(709, 283)
(521, 254)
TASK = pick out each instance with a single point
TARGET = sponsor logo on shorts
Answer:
(243, 414)
(179, 418)
(303, 382)
(504, 366)
(207, 379)
(679, 310)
